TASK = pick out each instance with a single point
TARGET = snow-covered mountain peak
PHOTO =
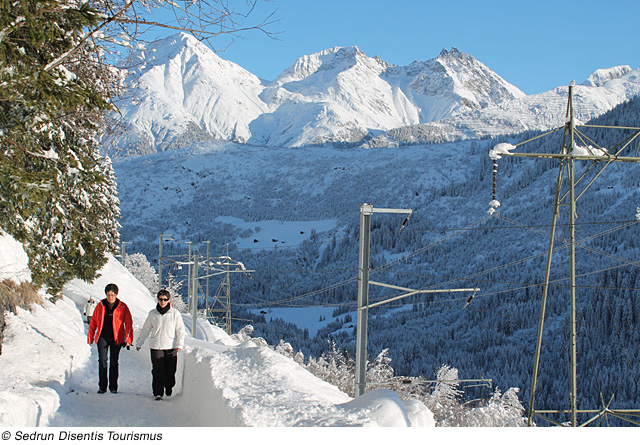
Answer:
(189, 55)
(602, 76)
(336, 59)
(454, 53)
(161, 51)
(186, 93)
(333, 96)
(451, 84)
(469, 74)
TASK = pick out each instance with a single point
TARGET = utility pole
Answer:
(163, 236)
(189, 274)
(366, 210)
(206, 292)
(122, 247)
(568, 155)
(194, 295)
(362, 321)
(227, 297)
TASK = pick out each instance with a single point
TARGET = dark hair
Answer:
(111, 287)
(164, 293)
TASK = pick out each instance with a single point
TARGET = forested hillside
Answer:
(450, 242)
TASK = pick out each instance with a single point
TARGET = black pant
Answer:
(164, 363)
(109, 344)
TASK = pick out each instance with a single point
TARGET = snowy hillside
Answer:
(342, 95)
(48, 373)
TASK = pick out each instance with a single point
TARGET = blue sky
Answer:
(535, 45)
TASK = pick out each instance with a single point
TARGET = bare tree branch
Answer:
(66, 55)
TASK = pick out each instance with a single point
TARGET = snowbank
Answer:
(40, 349)
(48, 375)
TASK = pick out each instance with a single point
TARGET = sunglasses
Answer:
(163, 299)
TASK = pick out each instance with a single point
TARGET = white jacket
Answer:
(90, 307)
(167, 331)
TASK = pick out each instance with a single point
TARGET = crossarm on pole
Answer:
(411, 292)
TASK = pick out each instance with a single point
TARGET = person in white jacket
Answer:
(166, 327)
(89, 308)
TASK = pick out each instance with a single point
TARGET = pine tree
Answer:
(56, 193)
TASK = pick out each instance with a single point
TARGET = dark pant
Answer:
(164, 363)
(104, 345)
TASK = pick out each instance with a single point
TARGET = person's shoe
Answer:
(168, 392)
(102, 391)
(114, 391)
(158, 397)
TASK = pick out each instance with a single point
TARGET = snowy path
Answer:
(134, 404)
(49, 376)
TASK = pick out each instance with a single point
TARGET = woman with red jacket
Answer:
(111, 328)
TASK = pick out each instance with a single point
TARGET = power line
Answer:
(472, 277)
(379, 233)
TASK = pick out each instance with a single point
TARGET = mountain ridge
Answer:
(185, 93)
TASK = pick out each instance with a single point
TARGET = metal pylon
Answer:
(220, 306)
(567, 157)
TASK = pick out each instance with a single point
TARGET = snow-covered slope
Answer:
(600, 77)
(333, 96)
(48, 373)
(342, 95)
(451, 84)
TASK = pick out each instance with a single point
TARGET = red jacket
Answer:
(122, 324)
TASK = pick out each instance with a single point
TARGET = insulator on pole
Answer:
(494, 204)
(495, 154)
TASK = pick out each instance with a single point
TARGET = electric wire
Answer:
(467, 277)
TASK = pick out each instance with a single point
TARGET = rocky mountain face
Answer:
(186, 93)
(601, 92)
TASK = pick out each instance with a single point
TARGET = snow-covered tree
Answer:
(380, 370)
(501, 411)
(174, 286)
(335, 367)
(244, 334)
(58, 81)
(140, 268)
(285, 349)
(447, 389)
(56, 192)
